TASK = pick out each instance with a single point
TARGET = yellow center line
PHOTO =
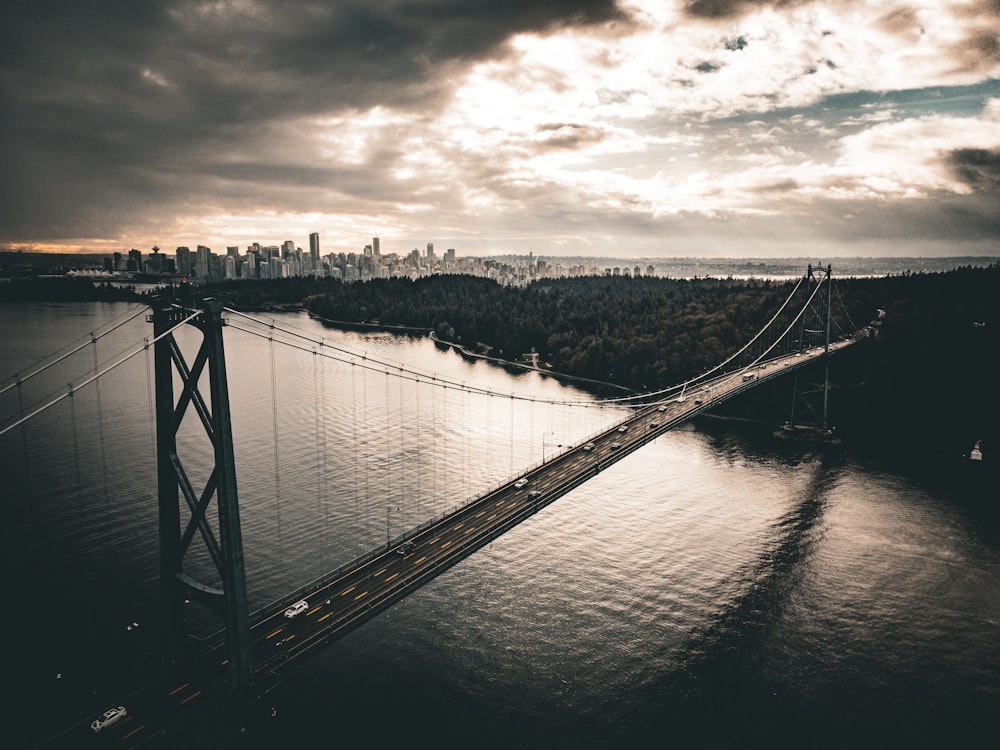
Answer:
(391, 577)
(433, 540)
(191, 697)
(179, 688)
(492, 517)
(363, 593)
(471, 530)
(446, 544)
(459, 525)
(480, 513)
(345, 593)
(290, 638)
(500, 503)
(328, 614)
(376, 575)
(271, 635)
(137, 729)
(420, 560)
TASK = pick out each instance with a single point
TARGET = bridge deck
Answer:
(356, 595)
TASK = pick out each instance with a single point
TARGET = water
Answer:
(711, 589)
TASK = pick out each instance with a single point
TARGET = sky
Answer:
(637, 128)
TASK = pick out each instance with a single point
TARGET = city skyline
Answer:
(711, 128)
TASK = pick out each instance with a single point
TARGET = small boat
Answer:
(808, 434)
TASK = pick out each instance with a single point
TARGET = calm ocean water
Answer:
(712, 589)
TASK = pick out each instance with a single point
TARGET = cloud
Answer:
(725, 9)
(979, 168)
(204, 122)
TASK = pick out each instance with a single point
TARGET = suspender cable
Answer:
(21, 378)
(100, 434)
(274, 428)
(92, 378)
(24, 440)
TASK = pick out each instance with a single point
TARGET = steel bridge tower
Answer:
(228, 597)
(805, 398)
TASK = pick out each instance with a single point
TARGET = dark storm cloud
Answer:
(979, 168)
(719, 9)
(979, 51)
(118, 105)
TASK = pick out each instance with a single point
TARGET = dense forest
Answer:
(930, 371)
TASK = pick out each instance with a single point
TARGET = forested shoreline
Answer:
(938, 336)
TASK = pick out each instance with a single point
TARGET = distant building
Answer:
(317, 267)
(203, 262)
(182, 259)
(154, 263)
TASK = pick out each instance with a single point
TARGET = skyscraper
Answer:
(314, 253)
(375, 247)
(182, 256)
(203, 262)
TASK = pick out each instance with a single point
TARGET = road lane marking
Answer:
(417, 562)
(363, 593)
(324, 617)
(181, 687)
(446, 544)
(137, 729)
(394, 575)
(376, 575)
(471, 530)
(345, 593)
(271, 635)
(191, 697)
(459, 525)
(433, 540)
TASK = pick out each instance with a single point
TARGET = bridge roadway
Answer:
(359, 594)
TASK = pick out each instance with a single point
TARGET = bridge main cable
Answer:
(92, 339)
(405, 372)
(73, 389)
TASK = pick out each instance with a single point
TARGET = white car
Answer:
(588, 447)
(297, 609)
(108, 718)
(623, 428)
(520, 483)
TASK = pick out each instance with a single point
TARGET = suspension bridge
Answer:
(451, 494)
